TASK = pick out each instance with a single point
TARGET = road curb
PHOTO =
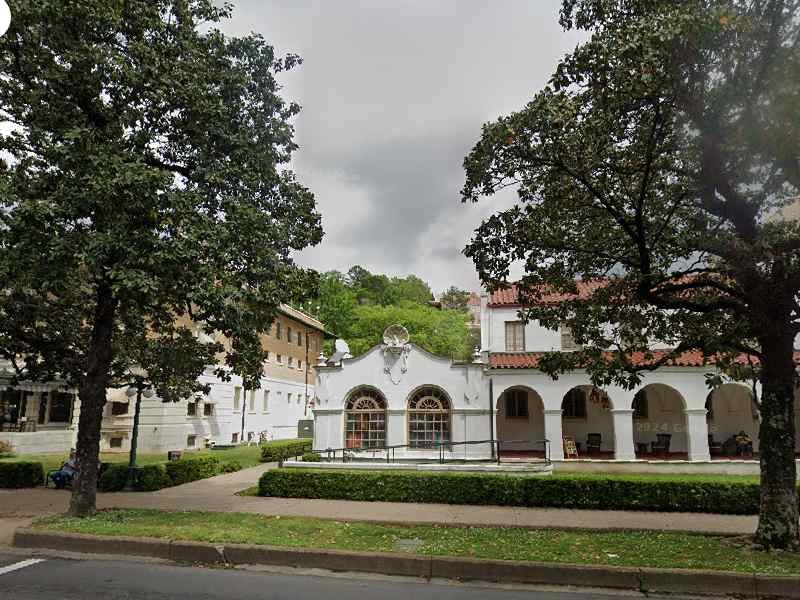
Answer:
(628, 578)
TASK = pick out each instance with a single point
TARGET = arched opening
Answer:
(659, 423)
(428, 418)
(520, 423)
(587, 421)
(733, 422)
(365, 419)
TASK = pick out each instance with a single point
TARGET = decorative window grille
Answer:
(515, 336)
(365, 419)
(428, 418)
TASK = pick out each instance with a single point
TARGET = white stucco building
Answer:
(398, 395)
(43, 417)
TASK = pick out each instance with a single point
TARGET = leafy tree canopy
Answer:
(359, 305)
(442, 332)
(455, 298)
(146, 182)
(658, 159)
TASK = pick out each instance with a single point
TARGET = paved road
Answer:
(62, 579)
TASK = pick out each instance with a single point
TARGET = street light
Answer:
(140, 387)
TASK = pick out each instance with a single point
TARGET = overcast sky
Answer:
(394, 93)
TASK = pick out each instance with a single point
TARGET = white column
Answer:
(553, 432)
(697, 434)
(623, 434)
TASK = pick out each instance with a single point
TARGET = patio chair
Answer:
(570, 448)
(662, 443)
(714, 447)
(593, 443)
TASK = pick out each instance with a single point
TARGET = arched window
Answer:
(365, 419)
(428, 418)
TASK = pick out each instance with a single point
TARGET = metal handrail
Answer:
(390, 450)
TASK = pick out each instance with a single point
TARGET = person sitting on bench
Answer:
(65, 475)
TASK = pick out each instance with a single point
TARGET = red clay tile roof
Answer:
(530, 360)
(509, 297)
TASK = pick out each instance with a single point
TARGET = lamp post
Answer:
(139, 388)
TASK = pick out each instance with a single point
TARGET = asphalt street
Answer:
(65, 579)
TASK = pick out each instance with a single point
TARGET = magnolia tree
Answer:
(662, 160)
(145, 186)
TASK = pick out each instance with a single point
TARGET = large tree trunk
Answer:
(778, 514)
(92, 394)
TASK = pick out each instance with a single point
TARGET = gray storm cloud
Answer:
(394, 94)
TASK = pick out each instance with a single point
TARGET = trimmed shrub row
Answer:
(281, 449)
(191, 469)
(15, 475)
(150, 478)
(601, 493)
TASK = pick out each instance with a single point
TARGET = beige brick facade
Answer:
(294, 343)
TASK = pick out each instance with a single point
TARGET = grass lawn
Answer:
(634, 549)
(247, 456)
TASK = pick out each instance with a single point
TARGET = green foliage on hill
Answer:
(358, 306)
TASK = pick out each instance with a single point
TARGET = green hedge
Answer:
(231, 467)
(149, 478)
(312, 457)
(599, 493)
(21, 474)
(191, 469)
(277, 449)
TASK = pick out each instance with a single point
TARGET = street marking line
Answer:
(20, 565)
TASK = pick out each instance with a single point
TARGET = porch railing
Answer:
(444, 450)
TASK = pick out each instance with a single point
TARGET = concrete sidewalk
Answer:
(218, 495)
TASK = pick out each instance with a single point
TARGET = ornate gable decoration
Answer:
(395, 352)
